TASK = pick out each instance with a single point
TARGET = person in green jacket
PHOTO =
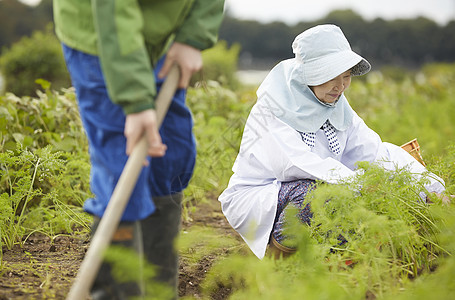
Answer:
(118, 53)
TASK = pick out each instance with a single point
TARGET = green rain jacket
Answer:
(129, 36)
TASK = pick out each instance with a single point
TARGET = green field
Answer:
(401, 248)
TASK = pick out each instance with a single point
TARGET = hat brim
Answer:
(328, 67)
(361, 68)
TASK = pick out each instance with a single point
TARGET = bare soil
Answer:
(45, 269)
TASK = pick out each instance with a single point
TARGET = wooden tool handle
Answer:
(119, 199)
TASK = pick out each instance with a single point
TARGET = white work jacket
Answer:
(272, 152)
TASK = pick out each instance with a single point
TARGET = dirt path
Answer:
(41, 270)
(190, 278)
(45, 270)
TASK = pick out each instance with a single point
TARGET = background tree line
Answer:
(406, 43)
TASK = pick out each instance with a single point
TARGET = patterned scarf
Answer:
(329, 130)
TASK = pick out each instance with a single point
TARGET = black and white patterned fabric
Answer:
(334, 145)
(332, 137)
(308, 138)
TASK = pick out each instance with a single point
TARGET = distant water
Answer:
(251, 77)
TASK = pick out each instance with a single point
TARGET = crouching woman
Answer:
(302, 129)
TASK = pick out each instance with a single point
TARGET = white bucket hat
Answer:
(324, 53)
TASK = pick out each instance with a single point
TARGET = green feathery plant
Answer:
(29, 183)
(393, 236)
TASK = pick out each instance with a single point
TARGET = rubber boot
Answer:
(160, 231)
(105, 286)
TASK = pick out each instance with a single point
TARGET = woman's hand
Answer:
(446, 199)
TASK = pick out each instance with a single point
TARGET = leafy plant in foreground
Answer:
(389, 228)
(20, 182)
(301, 276)
(393, 236)
(29, 201)
(128, 267)
(51, 118)
(438, 284)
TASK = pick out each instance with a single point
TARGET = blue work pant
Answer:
(104, 124)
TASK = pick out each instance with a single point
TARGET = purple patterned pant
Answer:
(292, 192)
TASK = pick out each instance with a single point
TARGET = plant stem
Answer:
(27, 199)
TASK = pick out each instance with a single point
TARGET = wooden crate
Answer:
(413, 148)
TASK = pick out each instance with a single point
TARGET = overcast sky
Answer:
(293, 11)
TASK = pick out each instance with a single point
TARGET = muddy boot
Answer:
(105, 286)
(160, 231)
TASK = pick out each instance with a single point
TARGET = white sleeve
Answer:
(363, 144)
(392, 157)
(279, 152)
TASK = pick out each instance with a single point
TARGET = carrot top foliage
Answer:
(399, 245)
